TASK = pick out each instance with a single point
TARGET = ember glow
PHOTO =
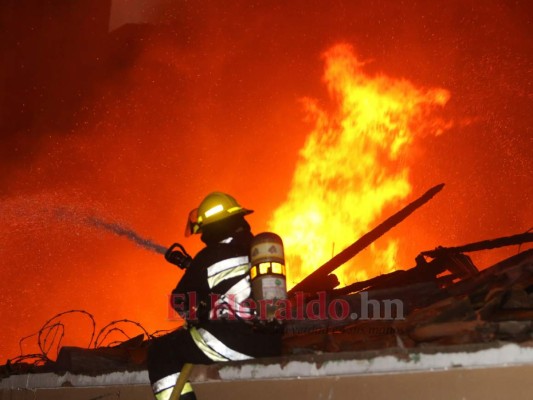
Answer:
(350, 168)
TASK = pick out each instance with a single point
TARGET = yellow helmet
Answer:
(215, 207)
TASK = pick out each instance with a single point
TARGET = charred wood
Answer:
(482, 245)
(314, 282)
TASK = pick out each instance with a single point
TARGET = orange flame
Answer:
(352, 166)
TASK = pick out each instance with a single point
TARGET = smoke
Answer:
(136, 125)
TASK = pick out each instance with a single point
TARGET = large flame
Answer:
(352, 165)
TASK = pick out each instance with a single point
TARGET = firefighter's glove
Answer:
(178, 258)
(177, 255)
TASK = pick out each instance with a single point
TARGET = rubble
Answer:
(492, 305)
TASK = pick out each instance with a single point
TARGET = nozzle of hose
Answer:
(177, 255)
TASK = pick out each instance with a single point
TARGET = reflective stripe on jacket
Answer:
(215, 349)
(163, 388)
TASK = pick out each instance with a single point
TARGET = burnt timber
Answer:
(315, 281)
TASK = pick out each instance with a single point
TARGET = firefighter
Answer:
(214, 298)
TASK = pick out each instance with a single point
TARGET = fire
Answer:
(352, 166)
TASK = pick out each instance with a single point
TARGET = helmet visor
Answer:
(192, 223)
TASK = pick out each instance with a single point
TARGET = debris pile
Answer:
(426, 308)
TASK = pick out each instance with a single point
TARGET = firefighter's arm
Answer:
(189, 298)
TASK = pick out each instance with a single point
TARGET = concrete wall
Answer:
(460, 383)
